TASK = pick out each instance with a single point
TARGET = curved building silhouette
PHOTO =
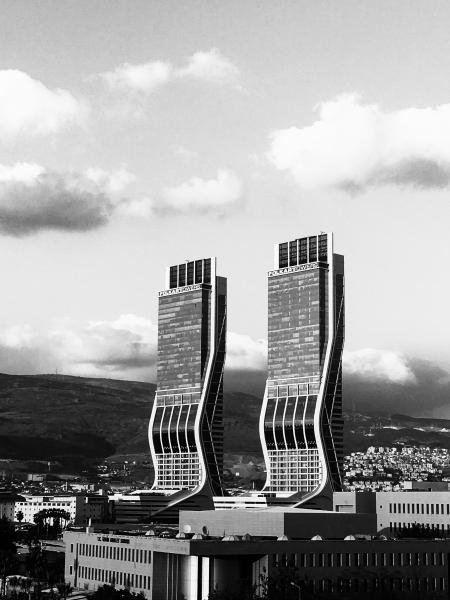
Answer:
(301, 425)
(186, 423)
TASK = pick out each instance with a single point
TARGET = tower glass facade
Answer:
(301, 420)
(186, 424)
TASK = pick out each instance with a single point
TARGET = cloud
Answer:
(17, 336)
(379, 365)
(375, 381)
(245, 353)
(107, 347)
(34, 199)
(184, 152)
(125, 347)
(122, 348)
(28, 107)
(204, 195)
(145, 78)
(210, 66)
(353, 146)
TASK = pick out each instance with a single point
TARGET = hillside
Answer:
(70, 419)
(77, 421)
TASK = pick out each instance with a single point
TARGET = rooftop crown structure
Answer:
(301, 423)
(186, 425)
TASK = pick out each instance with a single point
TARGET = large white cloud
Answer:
(204, 195)
(123, 348)
(379, 365)
(126, 347)
(33, 198)
(145, 78)
(126, 344)
(353, 145)
(28, 107)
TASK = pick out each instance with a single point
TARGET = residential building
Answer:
(80, 507)
(301, 424)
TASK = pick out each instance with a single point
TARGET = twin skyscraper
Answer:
(300, 426)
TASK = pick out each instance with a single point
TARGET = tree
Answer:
(25, 586)
(36, 565)
(55, 515)
(19, 516)
(109, 592)
(8, 551)
(64, 589)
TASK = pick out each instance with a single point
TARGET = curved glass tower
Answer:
(301, 423)
(186, 425)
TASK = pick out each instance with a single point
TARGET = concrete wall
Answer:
(354, 502)
(275, 523)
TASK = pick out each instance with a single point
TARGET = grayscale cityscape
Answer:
(224, 314)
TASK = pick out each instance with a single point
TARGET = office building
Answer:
(398, 512)
(80, 507)
(186, 423)
(301, 424)
(195, 562)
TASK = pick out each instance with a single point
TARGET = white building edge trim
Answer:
(201, 405)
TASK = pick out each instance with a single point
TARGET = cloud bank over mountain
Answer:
(354, 146)
(125, 348)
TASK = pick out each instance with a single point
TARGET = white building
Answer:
(401, 510)
(80, 507)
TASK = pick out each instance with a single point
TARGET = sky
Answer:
(139, 134)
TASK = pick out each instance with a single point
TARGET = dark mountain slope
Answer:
(75, 420)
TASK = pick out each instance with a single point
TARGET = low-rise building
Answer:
(397, 511)
(7, 504)
(170, 569)
(81, 507)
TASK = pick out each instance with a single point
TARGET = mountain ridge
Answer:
(78, 420)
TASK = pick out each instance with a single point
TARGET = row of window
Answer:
(360, 559)
(418, 508)
(288, 422)
(286, 475)
(438, 527)
(170, 399)
(190, 273)
(175, 471)
(173, 428)
(131, 580)
(302, 251)
(376, 584)
(135, 555)
(54, 504)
